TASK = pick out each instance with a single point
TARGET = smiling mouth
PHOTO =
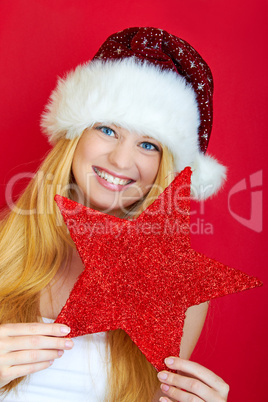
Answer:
(111, 179)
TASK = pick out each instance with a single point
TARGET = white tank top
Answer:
(80, 375)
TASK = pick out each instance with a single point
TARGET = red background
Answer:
(40, 40)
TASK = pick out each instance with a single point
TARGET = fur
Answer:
(208, 176)
(140, 97)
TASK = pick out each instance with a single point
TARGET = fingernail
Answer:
(69, 344)
(60, 352)
(162, 376)
(162, 399)
(65, 330)
(51, 362)
(169, 361)
(164, 387)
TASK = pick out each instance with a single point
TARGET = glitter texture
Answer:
(142, 275)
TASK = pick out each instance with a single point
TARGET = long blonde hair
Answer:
(34, 243)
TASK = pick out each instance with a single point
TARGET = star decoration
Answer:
(200, 86)
(192, 64)
(142, 275)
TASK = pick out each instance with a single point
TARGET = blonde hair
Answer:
(33, 244)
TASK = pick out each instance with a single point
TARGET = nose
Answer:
(122, 155)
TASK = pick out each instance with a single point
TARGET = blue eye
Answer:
(148, 146)
(106, 130)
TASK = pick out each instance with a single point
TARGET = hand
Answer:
(192, 383)
(27, 348)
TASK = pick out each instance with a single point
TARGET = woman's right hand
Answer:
(27, 348)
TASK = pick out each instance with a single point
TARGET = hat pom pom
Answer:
(207, 178)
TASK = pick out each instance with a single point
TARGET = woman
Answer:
(121, 126)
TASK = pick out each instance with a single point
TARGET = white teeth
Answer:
(110, 178)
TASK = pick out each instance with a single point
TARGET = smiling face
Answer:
(114, 168)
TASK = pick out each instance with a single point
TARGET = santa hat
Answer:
(148, 81)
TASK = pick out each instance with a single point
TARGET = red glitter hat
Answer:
(148, 81)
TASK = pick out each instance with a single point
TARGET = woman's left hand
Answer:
(192, 382)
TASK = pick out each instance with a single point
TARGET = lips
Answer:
(118, 181)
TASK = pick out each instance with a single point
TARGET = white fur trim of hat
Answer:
(140, 97)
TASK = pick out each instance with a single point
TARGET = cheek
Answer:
(150, 170)
(80, 168)
(84, 154)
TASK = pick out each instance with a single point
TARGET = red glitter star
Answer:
(142, 275)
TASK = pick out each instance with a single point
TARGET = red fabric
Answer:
(168, 52)
(142, 275)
